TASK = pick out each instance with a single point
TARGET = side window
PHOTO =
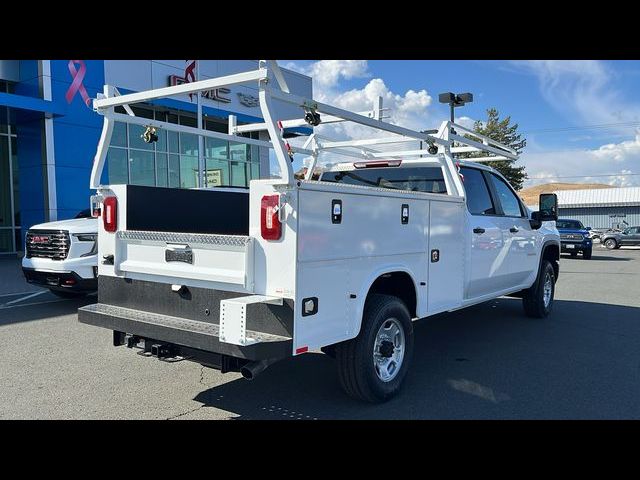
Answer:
(508, 200)
(478, 198)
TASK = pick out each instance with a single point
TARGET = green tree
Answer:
(502, 131)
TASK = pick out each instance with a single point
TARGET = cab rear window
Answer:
(418, 179)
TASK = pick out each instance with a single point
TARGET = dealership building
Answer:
(49, 134)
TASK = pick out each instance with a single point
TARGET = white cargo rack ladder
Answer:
(233, 327)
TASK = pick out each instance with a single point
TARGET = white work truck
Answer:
(341, 258)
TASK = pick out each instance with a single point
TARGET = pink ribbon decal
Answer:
(76, 85)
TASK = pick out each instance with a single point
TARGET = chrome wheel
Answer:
(610, 244)
(547, 290)
(388, 350)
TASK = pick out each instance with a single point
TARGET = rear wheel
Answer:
(587, 254)
(610, 244)
(372, 366)
(68, 294)
(538, 300)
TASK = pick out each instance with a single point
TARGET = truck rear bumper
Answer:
(183, 332)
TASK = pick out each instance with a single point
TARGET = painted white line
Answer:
(24, 298)
(14, 294)
(35, 303)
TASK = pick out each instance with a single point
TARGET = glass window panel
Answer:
(188, 144)
(162, 116)
(119, 135)
(6, 240)
(188, 121)
(216, 126)
(142, 168)
(254, 152)
(188, 171)
(255, 171)
(172, 118)
(216, 148)
(174, 143)
(174, 171)
(19, 242)
(135, 138)
(16, 183)
(4, 120)
(478, 199)
(161, 144)
(118, 166)
(5, 189)
(217, 172)
(508, 199)
(161, 170)
(238, 174)
(142, 112)
(238, 151)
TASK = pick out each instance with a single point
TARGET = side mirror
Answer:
(548, 207)
(588, 228)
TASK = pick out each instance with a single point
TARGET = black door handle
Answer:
(514, 230)
(478, 230)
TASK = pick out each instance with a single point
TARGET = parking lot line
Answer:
(24, 298)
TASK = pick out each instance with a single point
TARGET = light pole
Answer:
(455, 100)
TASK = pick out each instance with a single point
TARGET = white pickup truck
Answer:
(341, 260)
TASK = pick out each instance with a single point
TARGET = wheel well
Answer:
(398, 284)
(552, 253)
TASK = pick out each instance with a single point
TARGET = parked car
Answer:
(574, 238)
(63, 256)
(629, 236)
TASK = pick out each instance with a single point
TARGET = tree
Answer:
(502, 131)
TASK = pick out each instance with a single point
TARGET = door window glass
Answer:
(508, 200)
(478, 198)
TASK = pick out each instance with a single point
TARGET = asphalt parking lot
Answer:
(485, 362)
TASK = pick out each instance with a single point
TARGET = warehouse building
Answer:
(601, 208)
(49, 134)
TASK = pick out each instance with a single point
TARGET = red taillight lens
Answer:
(270, 226)
(110, 214)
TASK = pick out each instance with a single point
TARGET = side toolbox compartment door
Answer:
(445, 256)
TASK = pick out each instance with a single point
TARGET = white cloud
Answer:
(587, 166)
(582, 89)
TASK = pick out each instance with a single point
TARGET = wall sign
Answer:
(217, 94)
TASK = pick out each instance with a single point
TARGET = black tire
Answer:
(611, 244)
(573, 254)
(533, 298)
(68, 294)
(329, 350)
(358, 375)
(586, 254)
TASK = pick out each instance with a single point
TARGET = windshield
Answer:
(569, 224)
(416, 179)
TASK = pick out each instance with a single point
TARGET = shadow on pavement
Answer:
(581, 362)
(596, 257)
(42, 307)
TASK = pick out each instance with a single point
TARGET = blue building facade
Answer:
(49, 134)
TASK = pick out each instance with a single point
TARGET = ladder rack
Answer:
(443, 139)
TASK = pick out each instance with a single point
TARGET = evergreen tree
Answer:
(502, 131)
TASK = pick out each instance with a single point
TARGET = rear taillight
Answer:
(110, 214)
(270, 226)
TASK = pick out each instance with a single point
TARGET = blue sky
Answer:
(581, 118)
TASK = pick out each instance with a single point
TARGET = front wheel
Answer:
(538, 300)
(610, 244)
(372, 366)
(587, 254)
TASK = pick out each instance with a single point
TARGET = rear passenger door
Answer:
(486, 270)
(516, 230)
